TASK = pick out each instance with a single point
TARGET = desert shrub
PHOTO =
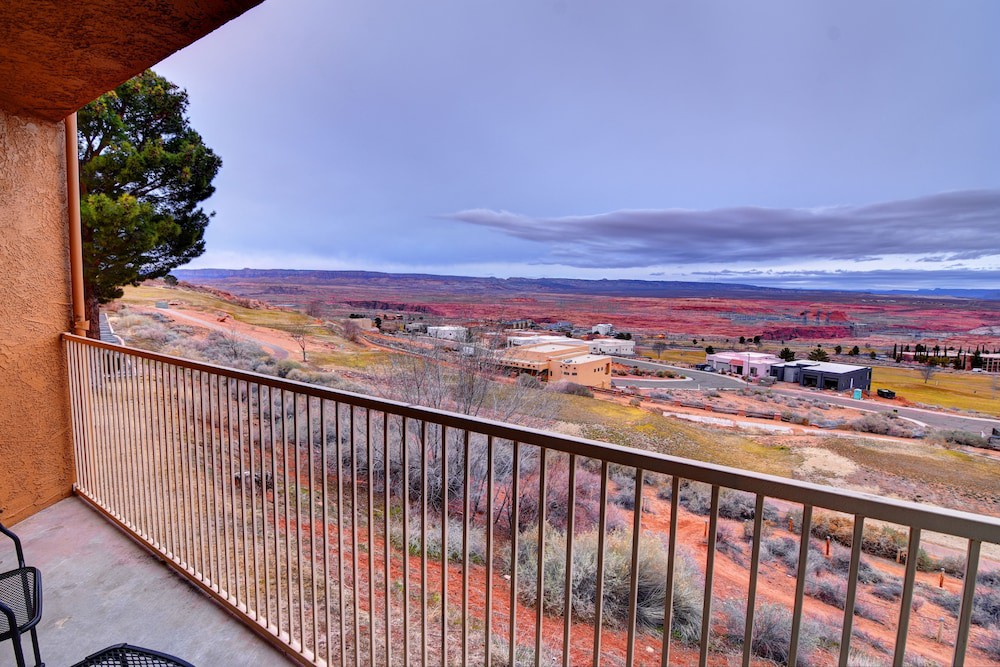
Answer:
(871, 640)
(528, 381)
(696, 497)
(477, 540)
(990, 579)
(772, 631)
(985, 605)
(965, 438)
(587, 496)
(828, 591)
(989, 643)
(858, 658)
(890, 590)
(652, 577)
(740, 505)
(524, 655)
(726, 544)
(572, 388)
(624, 495)
(885, 423)
(784, 549)
(840, 561)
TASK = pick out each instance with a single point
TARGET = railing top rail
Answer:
(926, 517)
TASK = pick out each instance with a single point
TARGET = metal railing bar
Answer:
(240, 409)
(488, 629)
(386, 542)
(299, 563)
(568, 592)
(968, 595)
(852, 590)
(218, 482)
(602, 529)
(406, 539)
(256, 488)
(706, 613)
(514, 534)
(633, 587)
(758, 526)
(668, 602)
(226, 441)
(184, 420)
(355, 579)
(906, 600)
(444, 546)
(286, 504)
(466, 511)
(371, 538)
(424, 451)
(271, 543)
(540, 565)
(800, 583)
(312, 526)
(324, 471)
(340, 534)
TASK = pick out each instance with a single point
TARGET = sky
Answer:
(784, 143)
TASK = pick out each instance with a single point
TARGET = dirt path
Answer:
(272, 342)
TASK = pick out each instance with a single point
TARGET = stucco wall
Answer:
(35, 446)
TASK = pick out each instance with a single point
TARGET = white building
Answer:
(747, 364)
(448, 333)
(537, 339)
(612, 346)
(603, 329)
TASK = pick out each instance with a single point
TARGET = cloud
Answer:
(952, 277)
(949, 226)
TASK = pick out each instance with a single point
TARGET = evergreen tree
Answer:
(144, 172)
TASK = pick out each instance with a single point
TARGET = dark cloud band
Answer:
(961, 225)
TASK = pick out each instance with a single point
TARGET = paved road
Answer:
(697, 379)
(936, 420)
(702, 380)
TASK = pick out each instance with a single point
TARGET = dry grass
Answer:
(948, 389)
(148, 295)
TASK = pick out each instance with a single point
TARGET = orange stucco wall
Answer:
(36, 464)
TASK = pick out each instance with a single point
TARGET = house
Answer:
(564, 360)
(823, 375)
(614, 346)
(602, 329)
(448, 333)
(747, 364)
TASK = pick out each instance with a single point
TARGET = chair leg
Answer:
(34, 642)
(18, 653)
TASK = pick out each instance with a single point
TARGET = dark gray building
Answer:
(824, 375)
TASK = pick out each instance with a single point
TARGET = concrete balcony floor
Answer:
(100, 588)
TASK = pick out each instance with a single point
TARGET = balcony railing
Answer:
(353, 530)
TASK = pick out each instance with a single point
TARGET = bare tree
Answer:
(658, 347)
(315, 309)
(927, 371)
(299, 336)
(352, 331)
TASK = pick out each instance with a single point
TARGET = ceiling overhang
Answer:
(56, 56)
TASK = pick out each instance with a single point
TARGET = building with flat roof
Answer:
(448, 333)
(747, 364)
(617, 346)
(569, 360)
(823, 374)
(991, 363)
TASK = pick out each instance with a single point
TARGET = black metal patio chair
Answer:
(20, 603)
(125, 655)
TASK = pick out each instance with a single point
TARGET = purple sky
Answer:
(850, 144)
